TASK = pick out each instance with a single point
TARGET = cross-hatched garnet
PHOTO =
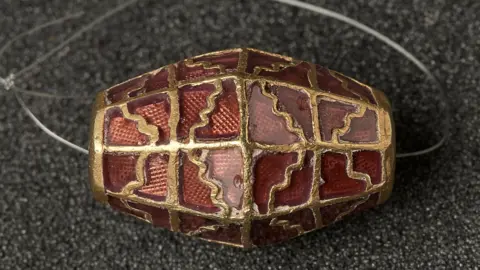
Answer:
(242, 147)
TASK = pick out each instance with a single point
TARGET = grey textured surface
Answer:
(48, 219)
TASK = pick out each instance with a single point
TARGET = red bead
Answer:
(242, 147)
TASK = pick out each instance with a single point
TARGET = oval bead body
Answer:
(242, 147)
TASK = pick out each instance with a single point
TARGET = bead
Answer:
(242, 147)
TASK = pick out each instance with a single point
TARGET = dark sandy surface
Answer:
(48, 219)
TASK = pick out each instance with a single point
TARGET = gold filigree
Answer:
(285, 224)
(150, 130)
(286, 180)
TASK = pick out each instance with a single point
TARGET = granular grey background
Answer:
(48, 219)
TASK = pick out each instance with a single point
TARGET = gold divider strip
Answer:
(315, 195)
(242, 61)
(174, 221)
(248, 202)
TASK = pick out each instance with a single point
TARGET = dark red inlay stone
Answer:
(156, 177)
(261, 60)
(120, 91)
(263, 125)
(122, 131)
(297, 104)
(187, 72)
(192, 99)
(269, 170)
(358, 88)
(369, 162)
(118, 205)
(370, 203)
(327, 82)
(228, 60)
(226, 166)
(331, 115)
(298, 192)
(297, 74)
(223, 232)
(118, 170)
(332, 213)
(156, 111)
(336, 181)
(224, 121)
(263, 232)
(157, 81)
(190, 223)
(362, 129)
(193, 192)
(160, 217)
(230, 233)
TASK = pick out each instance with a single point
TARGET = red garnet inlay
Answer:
(156, 111)
(226, 166)
(118, 170)
(193, 99)
(298, 191)
(337, 183)
(362, 129)
(156, 177)
(369, 162)
(263, 125)
(207, 65)
(225, 232)
(269, 231)
(122, 131)
(297, 104)
(358, 88)
(194, 193)
(258, 61)
(122, 90)
(334, 212)
(269, 170)
(331, 115)
(297, 74)
(224, 121)
(158, 81)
